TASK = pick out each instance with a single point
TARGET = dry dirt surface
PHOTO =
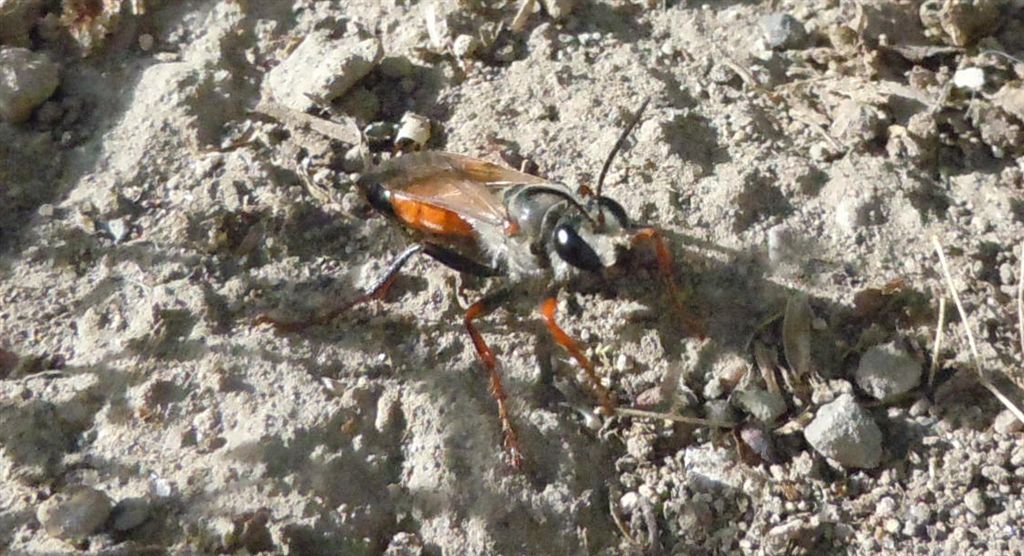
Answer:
(802, 158)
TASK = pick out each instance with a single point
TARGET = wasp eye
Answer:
(574, 250)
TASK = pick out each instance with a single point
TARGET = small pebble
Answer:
(146, 42)
(629, 501)
(465, 46)
(782, 31)
(892, 526)
(1007, 423)
(559, 9)
(887, 372)
(920, 408)
(972, 79)
(843, 431)
(118, 229)
(975, 502)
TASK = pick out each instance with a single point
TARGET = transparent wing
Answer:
(470, 187)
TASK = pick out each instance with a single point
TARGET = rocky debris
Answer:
(323, 68)
(16, 20)
(1011, 99)
(886, 372)
(856, 124)
(249, 531)
(89, 23)
(843, 431)
(899, 22)
(26, 80)
(782, 31)
(917, 141)
(75, 514)
(404, 544)
(960, 22)
(760, 404)
(999, 130)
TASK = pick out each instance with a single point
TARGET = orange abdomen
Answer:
(430, 218)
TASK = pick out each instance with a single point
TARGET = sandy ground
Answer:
(800, 167)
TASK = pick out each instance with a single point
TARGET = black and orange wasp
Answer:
(490, 221)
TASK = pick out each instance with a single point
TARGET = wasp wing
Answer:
(469, 187)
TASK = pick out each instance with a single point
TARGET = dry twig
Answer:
(970, 336)
(643, 414)
(939, 326)
(1020, 299)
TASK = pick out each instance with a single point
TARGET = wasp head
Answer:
(595, 242)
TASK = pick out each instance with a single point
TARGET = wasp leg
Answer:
(457, 261)
(510, 441)
(380, 288)
(547, 310)
(691, 323)
(377, 291)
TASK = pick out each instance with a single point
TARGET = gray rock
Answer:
(762, 405)
(74, 515)
(322, 68)
(886, 372)
(846, 433)
(26, 80)
(130, 513)
(782, 31)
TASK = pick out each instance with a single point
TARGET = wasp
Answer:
(490, 221)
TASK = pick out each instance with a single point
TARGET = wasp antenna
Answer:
(617, 146)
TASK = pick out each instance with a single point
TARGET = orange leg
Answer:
(547, 310)
(510, 441)
(376, 292)
(692, 325)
